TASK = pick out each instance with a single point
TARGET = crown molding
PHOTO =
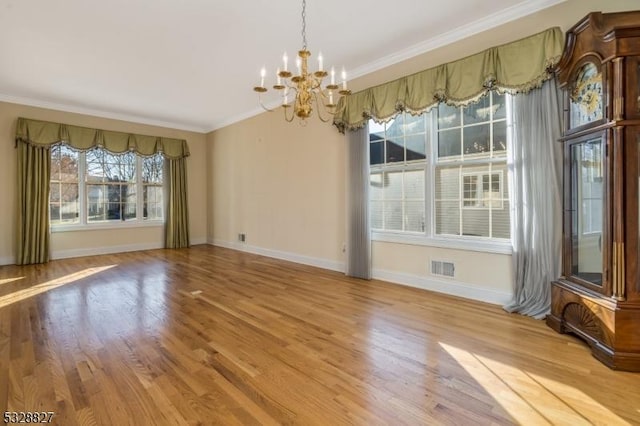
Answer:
(21, 100)
(236, 118)
(492, 21)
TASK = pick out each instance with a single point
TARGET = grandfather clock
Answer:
(598, 296)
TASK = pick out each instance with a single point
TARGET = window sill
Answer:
(102, 226)
(455, 243)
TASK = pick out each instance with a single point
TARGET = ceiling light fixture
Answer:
(306, 86)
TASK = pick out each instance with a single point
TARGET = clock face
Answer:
(586, 96)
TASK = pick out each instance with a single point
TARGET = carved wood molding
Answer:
(583, 319)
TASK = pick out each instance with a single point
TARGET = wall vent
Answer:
(442, 268)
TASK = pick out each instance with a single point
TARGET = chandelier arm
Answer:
(263, 105)
(319, 108)
(287, 119)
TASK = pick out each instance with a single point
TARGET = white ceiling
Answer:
(191, 64)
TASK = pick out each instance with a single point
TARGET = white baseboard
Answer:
(198, 241)
(454, 288)
(94, 251)
(283, 255)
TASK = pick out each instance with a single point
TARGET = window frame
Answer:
(429, 238)
(83, 224)
(481, 202)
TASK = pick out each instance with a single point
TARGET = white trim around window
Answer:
(486, 245)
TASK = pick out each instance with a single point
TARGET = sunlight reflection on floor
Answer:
(529, 398)
(49, 285)
(10, 280)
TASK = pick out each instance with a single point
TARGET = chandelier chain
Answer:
(304, 24)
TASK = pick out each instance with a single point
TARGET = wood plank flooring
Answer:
(123, 340)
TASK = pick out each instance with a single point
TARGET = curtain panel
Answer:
(34, 165)
(177, 223)
(516, 67)
(45, 133)
(358, 229)
(535, 191)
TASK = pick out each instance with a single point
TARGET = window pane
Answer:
(152, 169)
(414, 216)
(102, 166)
(64, 164)
(478, 112)
(376, 215)
(447, 217)
(414, 184)
(416, 147)
(449, 143)
(499, 106)
(395, 150)
(394, 127)
(54, 213)
(114, 211)
(501, 222)
(375, 186)
(393, 215)
(500, 138)
(476, 140)
(392, 185)
(153, 205)
(376, 153)
(68, 192)
(447, 185)
(54, 193)
(475, 222)
(63, 195)
(448, 116)
(376, 131)
(414, 124)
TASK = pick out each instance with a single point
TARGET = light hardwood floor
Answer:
(121, 339)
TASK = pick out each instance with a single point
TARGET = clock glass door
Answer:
(587, 208)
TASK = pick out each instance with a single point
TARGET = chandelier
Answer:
(305, 86)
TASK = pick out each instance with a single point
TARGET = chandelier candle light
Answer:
(306, 85)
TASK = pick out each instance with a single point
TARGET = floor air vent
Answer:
(442, 268)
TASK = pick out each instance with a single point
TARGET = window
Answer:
(398, 159)
(443, 173)
(97, 186)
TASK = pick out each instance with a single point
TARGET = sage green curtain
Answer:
(34, 165)
(516, 67)
(38, 132)
(177, 220)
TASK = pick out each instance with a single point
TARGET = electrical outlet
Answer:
(242, 237)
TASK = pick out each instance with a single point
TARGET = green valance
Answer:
(515, 67)
(45, 133)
